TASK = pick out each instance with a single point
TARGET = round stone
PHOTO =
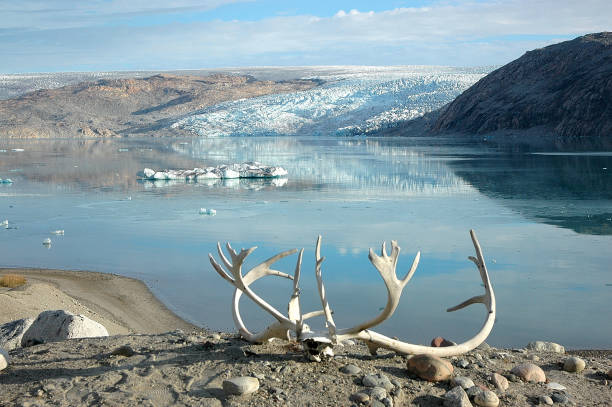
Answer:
(529, 373)
(360, 397)
(240, 385)
(430, 368)
(574, 364)
(499, 381)
(462, 381)
(4, 359)
(456, 397)
(350, 369)
(487, 399)
(439, 342)
(545, 400)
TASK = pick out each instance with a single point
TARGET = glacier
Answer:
(350, 101)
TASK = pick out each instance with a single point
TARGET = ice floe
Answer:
(209, 211)
(232, 171)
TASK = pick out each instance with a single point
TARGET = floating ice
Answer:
(58, 232)
(211, 212)
(6, 181)
(18, 150)
(5, 224)
(244, 170)
(47, 242)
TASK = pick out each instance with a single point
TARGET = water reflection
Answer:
(571, 191)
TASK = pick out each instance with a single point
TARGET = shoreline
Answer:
(124, 305)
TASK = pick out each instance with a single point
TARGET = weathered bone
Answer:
(294, 321)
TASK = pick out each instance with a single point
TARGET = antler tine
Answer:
(294, 311)
(329, 320)
(386, 266)
(220, 270)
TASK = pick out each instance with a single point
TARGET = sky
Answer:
(117, 35)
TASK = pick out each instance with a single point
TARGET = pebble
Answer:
(473, 391)
(499, 381)
(378, 393)
(348, 342)
(430, 368)
(533, 358)
(377, 380)
(462, 381)
(559, 397)
(360, 397)
(463, 363)
(240, 385)
(484, 346)
(376, 403)
(125, 350)
(555, 386)
(529, 372)
(258, 376)
(350, 369)
(574, 365)
(486, 399)
(456, 397)
(542, 346)
(512, 377)
(216, 337)
(439, 342)
(545, 400)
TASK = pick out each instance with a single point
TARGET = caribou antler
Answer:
(294, 321)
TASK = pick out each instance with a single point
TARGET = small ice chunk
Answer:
(149, 173)
(47, 242)
(210, 212)
(7, 181)
(57, 232)
(4, 222)
(18, 150)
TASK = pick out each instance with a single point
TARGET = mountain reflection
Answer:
(572, 191)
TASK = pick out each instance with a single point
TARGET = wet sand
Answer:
(122, 304)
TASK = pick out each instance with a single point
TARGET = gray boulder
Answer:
(12, 332)
(52, 326)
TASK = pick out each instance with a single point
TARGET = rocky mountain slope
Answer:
(123, 107)
(561, 93)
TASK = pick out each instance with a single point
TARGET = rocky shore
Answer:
(191, 366)
(211, 369)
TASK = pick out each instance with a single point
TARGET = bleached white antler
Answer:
(386, 266)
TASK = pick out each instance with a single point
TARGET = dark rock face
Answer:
(563, 91)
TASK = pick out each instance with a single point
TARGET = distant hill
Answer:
(560, 94)
(126, 107)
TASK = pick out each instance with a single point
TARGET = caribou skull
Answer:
(292, 325)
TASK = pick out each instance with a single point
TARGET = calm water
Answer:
(544, 222)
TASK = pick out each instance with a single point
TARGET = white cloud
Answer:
(456, 33)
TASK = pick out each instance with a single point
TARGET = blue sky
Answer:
(97, 35)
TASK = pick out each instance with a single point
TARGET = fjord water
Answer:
(544, 222)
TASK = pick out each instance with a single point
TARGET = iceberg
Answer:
(251, 169)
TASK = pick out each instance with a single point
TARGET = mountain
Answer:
(560, 94)
(123, 107)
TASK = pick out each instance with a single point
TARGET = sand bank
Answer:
(122, 304)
